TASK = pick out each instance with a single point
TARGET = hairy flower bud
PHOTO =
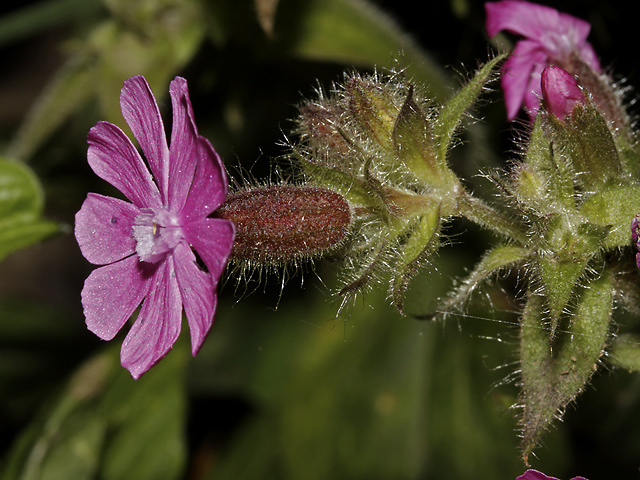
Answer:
(374, 109)
(319, 123)
(281, 223)
(560, 92)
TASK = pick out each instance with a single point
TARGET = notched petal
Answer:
(198, 295)
(140, 111)
(113, 158)
(212, 238)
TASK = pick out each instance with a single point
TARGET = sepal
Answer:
(422, 241)
(585, 140)
(564, 253)
(555, 371)
(454, 110)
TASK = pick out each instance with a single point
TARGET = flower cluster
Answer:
(376, 184)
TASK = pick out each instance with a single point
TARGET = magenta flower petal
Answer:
(209, 188)
(112, 293)
(521, 77)
(552, 28)
(184, 135)
(140, 111)
(198, 295)
(158, 324)
(103, 229)
(113, 158)
(149, 240)
(212, 239)
(560, 92)
(534, 475)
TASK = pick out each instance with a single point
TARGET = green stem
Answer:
(479, 212)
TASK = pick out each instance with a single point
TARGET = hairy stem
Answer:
(479, 212)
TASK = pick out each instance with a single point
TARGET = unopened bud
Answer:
(281, 223)
(560, 92)
(374, 110)
(319, 122)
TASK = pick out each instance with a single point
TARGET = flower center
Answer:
(156, 232)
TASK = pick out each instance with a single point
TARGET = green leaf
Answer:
(21, 202)
(106, 425)
(423, 241)
(555, 371)
(454, 109)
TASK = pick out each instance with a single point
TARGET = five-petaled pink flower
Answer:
(536, 475)
(551, 38)
(146, 245)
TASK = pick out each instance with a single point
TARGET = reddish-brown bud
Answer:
(280, 223)
(319, 122)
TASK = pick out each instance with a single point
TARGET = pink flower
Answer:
(536, 475)
(635, 229)
(551, 37)
(560, 92)
(146, 245)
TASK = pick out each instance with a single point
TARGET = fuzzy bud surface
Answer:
(282, 223)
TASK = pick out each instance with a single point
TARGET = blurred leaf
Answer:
(155, 40)
(355, 32)
(376, 397)
(21, 202)
(266, 10)
(35, 17)
(344, 409)
(38, 344)
(106, 425)
(625, 352)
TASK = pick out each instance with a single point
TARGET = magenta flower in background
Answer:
(560, 92)
(146, 245)
(635, 235)
(551, 38)
(536, 475)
